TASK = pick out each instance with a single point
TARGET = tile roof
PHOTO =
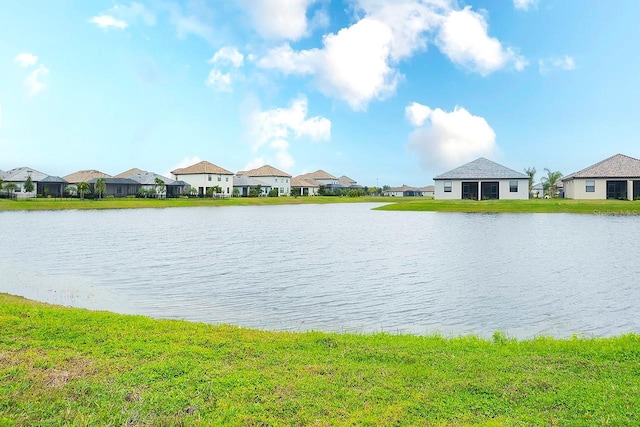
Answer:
(202, 167)
(347, 181)
(428, 188)
(319, 174)
(147, 178)
(85, 176)
(298, 181)
(247, 181)
(482, 169)
(266, 170)
(616, 166)
(127, 174)
(21, 174)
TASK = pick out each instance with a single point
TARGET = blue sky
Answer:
(385, 91)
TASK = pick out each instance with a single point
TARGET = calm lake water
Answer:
(339, 267)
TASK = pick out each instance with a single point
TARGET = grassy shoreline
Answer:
(417, 204)
(71, 366)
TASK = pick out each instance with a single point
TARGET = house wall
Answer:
(577, 188)
(503, 185)
(205, 181)
(282, 183)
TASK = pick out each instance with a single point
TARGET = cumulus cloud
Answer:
(26, 60)
(464, 39)
(445, 139)
(525, 4)
(33, 82)
(228, 55)
(120, 16)
(359, 63)
(108, 21)
(219, 81)
(566, 63)
(274, 129)
(279, 19)
(352, 66)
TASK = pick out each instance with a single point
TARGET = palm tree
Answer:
(532, 173)
(100, 187)
(549, 182)
(83, 187)
(160, 186)
(11, 187)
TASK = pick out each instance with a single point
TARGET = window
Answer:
(447, 186)
(219, 178)
(513, 186)
(281, 190)
(227, 179)
(209, 177)
(591, 186)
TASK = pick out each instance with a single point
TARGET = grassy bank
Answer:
(598, 207)
(70, 366)
(133, 203)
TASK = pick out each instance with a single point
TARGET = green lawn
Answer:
(603, 207)
(64, 366)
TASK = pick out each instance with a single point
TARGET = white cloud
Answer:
(279, 19)
(446, 139)
(26, 60)
(274, 129)
(417, 113)
(565, 63)
(254, 164)
(134, 11)
(108, 21)
(525, 4)
(228, 55)
(219, 81)
(463, 38)
(33, 81)
(352, 66)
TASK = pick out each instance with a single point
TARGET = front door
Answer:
(490, 191)
(470, 191)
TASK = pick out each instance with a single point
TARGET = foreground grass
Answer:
(62, 366)
(598, 207)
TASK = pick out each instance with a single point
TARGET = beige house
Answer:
(616, 177)
(205, 175)
(271, 176)
(308, 187)
(482, 179)
(85, 176)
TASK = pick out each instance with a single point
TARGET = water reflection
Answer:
(335, 268)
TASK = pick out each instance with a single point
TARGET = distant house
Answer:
(307, 187)
(205, 175)
(52, 186)
(428, 191)
(274, 178)
(116, 187)
(404, 191)
(616, 177)
(324, 179)
(19, 176)
(128, 173)
(147, 181)
(245, 184)
(482, 179)
(85, 176)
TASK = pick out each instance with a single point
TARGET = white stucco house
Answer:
(616, 177)
(274, 178)
(19, 176)
(205, 175)
(482, 179)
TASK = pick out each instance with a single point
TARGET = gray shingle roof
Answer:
(147, 178)
(617, 166)
(482, 169)
(54, 180)
(21, 174)
(247, 181)
(116, 181)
